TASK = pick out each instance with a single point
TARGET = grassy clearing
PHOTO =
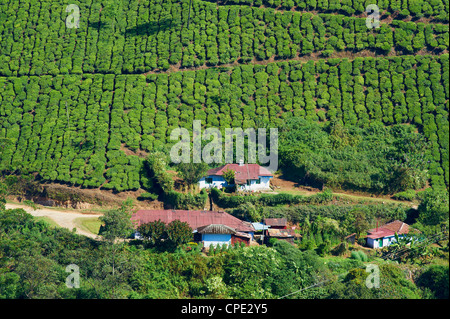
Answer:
(90, 224)
(355, 198)
(47, 220)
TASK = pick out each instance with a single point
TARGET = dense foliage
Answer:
(80, 129)
(263, 200)
(378, 158)
(166, 237)
(401, 8)
(93, 107)
(33, 258)
(139, 36)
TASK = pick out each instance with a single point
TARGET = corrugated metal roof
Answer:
(381, 233)
(283, 233)
(242, 172)
(388, 230)
(275, 221)
(244, 235)
(260, 226)
(216, 229)
(195, 218)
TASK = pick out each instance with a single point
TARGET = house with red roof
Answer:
(209, 227)
(385, 235)
(249, 177)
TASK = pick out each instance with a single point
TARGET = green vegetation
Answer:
(34, 257)
(233, 201)
(357, 109)
(50, 222)
(413, 8)
(377, 159)
(165, 237)
(434, 207)
(92, 224)
(107, 111)
(116, 223)
(139, 36)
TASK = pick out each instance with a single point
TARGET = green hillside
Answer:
(77, 106)
(140, 36)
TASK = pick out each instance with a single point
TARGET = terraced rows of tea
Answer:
(82, 105)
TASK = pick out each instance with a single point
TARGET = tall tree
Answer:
(117, 223)
(117, 226)
(153, 232)
(192, 172)
(228, 176)
(155, 177)
(178, 233)
(434, 207)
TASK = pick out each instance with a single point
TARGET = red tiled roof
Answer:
(381, 233)
(243, 172)
(388, 230)
(398, 227)
(195, 218)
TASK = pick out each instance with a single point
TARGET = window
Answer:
(258, 181)
(208, 180)
(248, 182)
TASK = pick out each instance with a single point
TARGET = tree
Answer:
(9, 285)
(192, 172)
(153, 232)
(117, 223)
(38, 276)
(434, 207)
(435, 278)
(247, 211)
(166, 237)
(154, 175)
(2, 196)
(178, 233)
(356, 222)
(228, 176)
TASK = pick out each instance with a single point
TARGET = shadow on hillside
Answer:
(148, 28)
(152, 27)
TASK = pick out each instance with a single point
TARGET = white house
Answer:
(385, 235)
(248, 177)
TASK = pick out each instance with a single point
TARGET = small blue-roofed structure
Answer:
(260, 226)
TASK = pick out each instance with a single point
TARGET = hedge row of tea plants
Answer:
(146, 35)
(89, 129)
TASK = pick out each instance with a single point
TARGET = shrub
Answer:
(148, 196)
(436, 279)
(340, 249)
(359, 255)
(177, 200)
(407, 195)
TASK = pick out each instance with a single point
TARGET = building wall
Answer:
(216, 239)
(218, 182)
(386, 241)
(264, 185)
(372, 243)
(236, 239)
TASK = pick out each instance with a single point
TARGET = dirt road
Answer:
(64, 218)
